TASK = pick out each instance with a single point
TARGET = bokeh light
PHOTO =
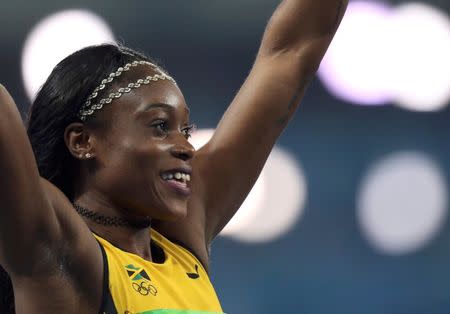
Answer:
(275, 203)
(56, 37)
(385, 54)
(402, 203)
(283, 203)
(354, 67)
(420, 77)
(254, 200)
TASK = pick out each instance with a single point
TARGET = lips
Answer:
(177, 180)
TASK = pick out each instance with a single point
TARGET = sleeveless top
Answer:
(133, 285)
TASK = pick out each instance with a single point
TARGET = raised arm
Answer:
(295, 40)
(36, 220)
(27, 219)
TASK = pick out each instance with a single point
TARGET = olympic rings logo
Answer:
(144, 288)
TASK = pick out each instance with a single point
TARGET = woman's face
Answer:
(143, 156)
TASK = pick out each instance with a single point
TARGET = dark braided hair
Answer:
(55, 107)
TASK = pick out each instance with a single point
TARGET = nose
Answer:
(183, 151)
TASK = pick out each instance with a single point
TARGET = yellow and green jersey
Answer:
(179, 285)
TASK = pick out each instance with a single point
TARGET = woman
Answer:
(115, 211)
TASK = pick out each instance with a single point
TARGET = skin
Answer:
(54, 252)
(147, 134)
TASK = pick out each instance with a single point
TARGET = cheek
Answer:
(137, 158)
(133, 156)
(132, 172)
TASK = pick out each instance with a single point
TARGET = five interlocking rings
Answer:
(145, 288)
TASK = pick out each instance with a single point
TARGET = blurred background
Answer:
(350, 214)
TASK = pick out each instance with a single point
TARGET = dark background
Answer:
(324, 265)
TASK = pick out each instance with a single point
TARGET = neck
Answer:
(133, 237)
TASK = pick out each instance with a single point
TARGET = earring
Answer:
(88, 155)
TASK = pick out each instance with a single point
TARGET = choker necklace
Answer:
(112, 221)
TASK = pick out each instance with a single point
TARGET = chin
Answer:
(173, 211)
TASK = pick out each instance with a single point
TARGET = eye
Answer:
(161, 126)
(188, 130)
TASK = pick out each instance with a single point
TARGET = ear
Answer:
(79, 141)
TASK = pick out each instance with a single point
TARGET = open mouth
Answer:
(178, 180)
(176, 175)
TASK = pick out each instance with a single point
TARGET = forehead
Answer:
(156, 92)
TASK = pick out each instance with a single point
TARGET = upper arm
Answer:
(36, 221)
(293, 45)
(27, 218)
(226, 168)
(232, 160)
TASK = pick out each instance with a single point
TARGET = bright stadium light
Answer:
(56, 37)
(275, 203)
(357, 62)
(249, 211)
(285, 194)
(382, 54)
(402, 203)
(253, 202)
(254, 199)
(200, 137)
(420, 79)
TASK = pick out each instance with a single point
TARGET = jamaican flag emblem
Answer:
(140, 280)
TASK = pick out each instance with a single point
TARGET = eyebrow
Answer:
(163, 106)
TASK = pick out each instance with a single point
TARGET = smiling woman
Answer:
(115, 208)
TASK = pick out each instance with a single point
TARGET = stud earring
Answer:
(88, 155)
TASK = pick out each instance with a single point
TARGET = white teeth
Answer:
(177, 175)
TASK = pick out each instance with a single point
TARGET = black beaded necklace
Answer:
(112, 221)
